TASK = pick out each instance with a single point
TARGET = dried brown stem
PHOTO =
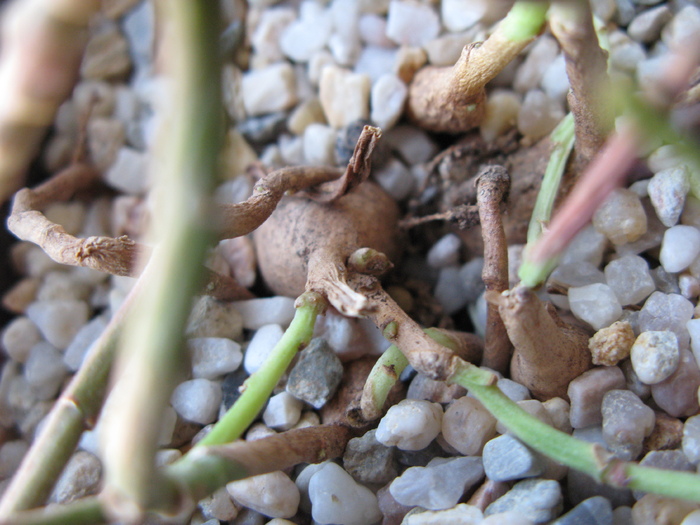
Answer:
(42, 45)
(547, 355)
(571, 22)
(465, 216)
(328, 276)
(321, 184)
(492, 189)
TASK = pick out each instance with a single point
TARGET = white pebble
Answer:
(445, 251)
(260, 346)
(283, 411)
(683, 28)
(596, 304)
(655, 356)
(129, 171)
(18, 338)
(679, 248)
(197, 400)
(59, 321)
(412, 24)
(336, 498)
(45, 371)
(82, 342)
(694, 330)
(630, 279)
(449, 291)
(667, 190)
(265, 39)
(395, 179)
(309, 34)
(344, 42)
(542, 53)
(502, 108)
(621, 217)
(410, 425)
(269, 310)
(387, 99)
(555, 81)
(272, 494)
(269, 89)
(458, 15)
(372, 30)
(344, 96)
(413, 144)
(461, 514)
(319, 145)
(538, 115)
(214, 357)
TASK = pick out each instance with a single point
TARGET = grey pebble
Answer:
(80, 478)
(317, 374)
(691, 439)
(230, 387)
(678, 394)
(368, 461)
(506, 458)
(586, 394)
(626, 422)
(539, 500)
(592, 511)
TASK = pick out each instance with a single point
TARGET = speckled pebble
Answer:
(537, 499)
(272, 494)
(626, 422)
(369, 461)
(678, 394)
(212, 318)
(655, 356)
(506, 458)
(81, 477)
(611, 344)
(467, 412)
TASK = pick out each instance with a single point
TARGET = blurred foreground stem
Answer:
(153, 353)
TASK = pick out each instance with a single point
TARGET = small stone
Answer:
(59, 321)
(307, 112)
(422, 387)
(369, 461)
(319, 145)
(218, 506)
(586, 393)
(128, 173)
(316, 375)
(448, 290)
(588, 245)
(408, 61)
(596, 511)
(269, 89)
(533, 407)
(468, 412)
(680, 247)
(611, 344)
(387, 99)
(308, 419)
(621, 218)
(626, 422)
(461, 514)
(472, 283)
(349, 338)
(667, 433)
(539, 500)
(283, 411)
(257, 313)
(646, 26)
(372, 29)
(678, 394)
(239, 255)
(261, 346)
(213, 357)
(18, 338)
(515, 391)
(106, 54)
(265, 39)
(558, 410)
(62, 286)
(410, 425)
(395, 179)
(336, 498)
(45, 371)
(344, 96)
(658, 509)
(625, 53)
(506, 458)
(374, 62)
(212, 318)
(692, 519)
(630, 279)
(237, 154)
(502, 108)
(197, 400)
(604, 9)
(682, 28)
(542, 53)
(555, 82)
(411, 24)
(596, 304)
(258, 431)
(301, 39)
(691, 439)
(412, 144)
(439, 485)
(663, 311)
(81, 477)
(272, 494)
(105, 137)
(655, 356)
(632, 380)
(11, 454)
(446, 49)
(445, 251)
(538, 115)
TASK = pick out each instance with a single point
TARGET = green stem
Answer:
(381, 379)
(153, 350)
(563, 142)
(524, 20)
(259, 386)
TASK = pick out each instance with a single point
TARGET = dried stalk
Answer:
(571, 22)
(452, 99)
(153, 349)
(42, 45)
(492, 189)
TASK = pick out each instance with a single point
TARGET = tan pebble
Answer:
(667, 434)
(105, 138)
(21, 295)
(657, 510)
(106, 54)
(237, 154)
(344, 96)
(612, 344)
(308, 112)
(408, 61)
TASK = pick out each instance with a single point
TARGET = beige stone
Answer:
(344, 96)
